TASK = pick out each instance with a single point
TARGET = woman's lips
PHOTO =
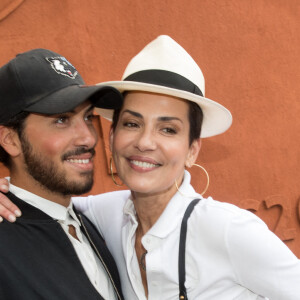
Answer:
(143, 163)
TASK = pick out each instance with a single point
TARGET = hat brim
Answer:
(66, 99)
(216, 118)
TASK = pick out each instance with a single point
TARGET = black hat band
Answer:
(165, 78)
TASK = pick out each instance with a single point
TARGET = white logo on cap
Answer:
(62, 66)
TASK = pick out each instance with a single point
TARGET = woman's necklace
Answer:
(142, 260)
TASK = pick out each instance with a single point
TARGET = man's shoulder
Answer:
(12, 236)
(6, 226)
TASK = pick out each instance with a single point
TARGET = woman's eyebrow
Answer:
(166, 119)
(134, 113)
(162, 118)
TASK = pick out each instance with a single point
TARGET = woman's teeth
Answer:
(143, 164)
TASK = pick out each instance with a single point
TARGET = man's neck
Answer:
(29, 184)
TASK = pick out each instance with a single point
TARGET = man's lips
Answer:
(79, 161)
(80, 153)
(82, 158)
(81, 164)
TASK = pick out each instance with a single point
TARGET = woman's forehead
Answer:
(153, 102)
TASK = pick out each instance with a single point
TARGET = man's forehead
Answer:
(83, 108)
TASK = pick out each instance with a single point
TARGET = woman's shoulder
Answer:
(103, 208)
(224, 212)
(102, 205)
(110, 198)
(224, 224)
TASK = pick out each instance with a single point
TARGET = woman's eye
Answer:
(130, 124)
(169, 130)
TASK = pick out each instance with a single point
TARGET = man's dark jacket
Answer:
(38, 261)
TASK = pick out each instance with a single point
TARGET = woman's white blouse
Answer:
(230, 253)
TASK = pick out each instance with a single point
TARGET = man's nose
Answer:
(86, 135)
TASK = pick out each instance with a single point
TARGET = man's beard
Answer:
(50, 176)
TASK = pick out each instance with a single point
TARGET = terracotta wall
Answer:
(249, 54)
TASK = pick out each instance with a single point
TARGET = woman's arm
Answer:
(8, 210)
(263, 263)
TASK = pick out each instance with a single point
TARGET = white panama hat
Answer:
(164, 67)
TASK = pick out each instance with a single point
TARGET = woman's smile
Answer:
(143, 164)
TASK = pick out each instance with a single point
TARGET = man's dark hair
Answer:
(195, 116)
(16, 123)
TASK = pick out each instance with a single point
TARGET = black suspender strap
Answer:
(181, 257)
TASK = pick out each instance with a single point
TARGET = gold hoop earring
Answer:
(112, 174)
(207, 176)
(207, 184)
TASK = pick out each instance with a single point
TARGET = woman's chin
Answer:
(149, 191)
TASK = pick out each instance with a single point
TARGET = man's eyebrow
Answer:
(90, 108)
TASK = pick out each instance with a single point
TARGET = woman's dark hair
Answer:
(195, 117)
(16, 123)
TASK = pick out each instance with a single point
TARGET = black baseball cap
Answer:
(42, 81)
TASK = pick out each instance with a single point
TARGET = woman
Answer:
(230, 253)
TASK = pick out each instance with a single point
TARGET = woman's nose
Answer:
(146, 140)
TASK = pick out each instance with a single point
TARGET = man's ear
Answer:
(10, 141)
(193, 153)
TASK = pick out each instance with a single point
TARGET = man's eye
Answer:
(61, 120)
(89, 117)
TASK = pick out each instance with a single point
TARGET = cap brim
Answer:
(66, 99)
(216, 118)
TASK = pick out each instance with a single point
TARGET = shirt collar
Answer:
(173, 211)
(54, 210)
(129, 209)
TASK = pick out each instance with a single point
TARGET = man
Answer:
(47, 141)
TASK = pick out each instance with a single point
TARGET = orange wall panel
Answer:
(249, 54)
